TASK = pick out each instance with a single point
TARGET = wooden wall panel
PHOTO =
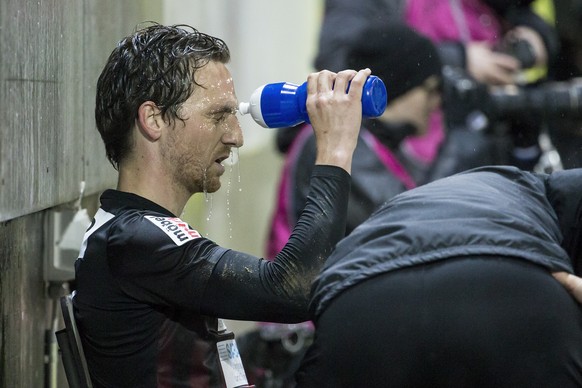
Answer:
(51, 52)
(41, 88)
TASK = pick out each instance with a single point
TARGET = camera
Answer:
(472, 104)
(521, 50)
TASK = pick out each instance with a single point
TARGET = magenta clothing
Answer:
(442, 20)
(438, 20)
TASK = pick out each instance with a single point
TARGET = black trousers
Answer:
(464, 322)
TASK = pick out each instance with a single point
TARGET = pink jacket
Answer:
(447, 20)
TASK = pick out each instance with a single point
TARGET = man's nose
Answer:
(234, 136)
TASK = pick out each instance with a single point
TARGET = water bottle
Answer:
(282, 104)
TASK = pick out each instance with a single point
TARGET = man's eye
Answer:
(223, 115)
(219, 117)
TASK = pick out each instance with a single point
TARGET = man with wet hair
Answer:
(149, 287)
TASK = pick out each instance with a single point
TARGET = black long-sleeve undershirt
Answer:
(278, 290)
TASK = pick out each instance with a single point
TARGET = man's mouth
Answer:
(221, 159)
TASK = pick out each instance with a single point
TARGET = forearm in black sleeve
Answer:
(247, 288)
(300, 175)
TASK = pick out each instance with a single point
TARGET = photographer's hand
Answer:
(490, 67)
(571, 282)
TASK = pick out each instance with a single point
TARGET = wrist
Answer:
(339, 158)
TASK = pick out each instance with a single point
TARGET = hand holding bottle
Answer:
(336, 114)
(283, 104)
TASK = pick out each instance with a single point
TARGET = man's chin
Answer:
(213, 190)
(207, 187)
(213, 187)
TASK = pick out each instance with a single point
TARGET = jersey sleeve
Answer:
(246, 288)
(160, 260)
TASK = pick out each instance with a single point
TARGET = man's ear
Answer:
(150, 121)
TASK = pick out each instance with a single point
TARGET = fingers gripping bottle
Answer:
(283, 104)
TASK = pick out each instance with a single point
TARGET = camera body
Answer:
(521, 50)
(465, 99)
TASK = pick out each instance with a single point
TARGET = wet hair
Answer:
(156, 63)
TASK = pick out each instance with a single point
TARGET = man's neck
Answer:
(158, 188)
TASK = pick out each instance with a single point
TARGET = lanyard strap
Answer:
(387, 158)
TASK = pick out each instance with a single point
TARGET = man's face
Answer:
(195, 148)
(415, 106)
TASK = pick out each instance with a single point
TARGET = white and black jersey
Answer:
(145, 280)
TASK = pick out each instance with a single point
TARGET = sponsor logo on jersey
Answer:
(175, 228)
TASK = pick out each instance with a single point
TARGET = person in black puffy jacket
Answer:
(450, 285)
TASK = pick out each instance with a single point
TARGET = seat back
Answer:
(71, 348)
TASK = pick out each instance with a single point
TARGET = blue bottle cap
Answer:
(374, 97)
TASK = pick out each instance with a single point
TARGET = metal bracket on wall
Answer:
(64, 229)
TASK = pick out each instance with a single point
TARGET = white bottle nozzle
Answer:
(253, 107)
(244, 108)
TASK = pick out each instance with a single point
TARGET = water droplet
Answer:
(208, 200)
(237, 150)
(204, 184)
